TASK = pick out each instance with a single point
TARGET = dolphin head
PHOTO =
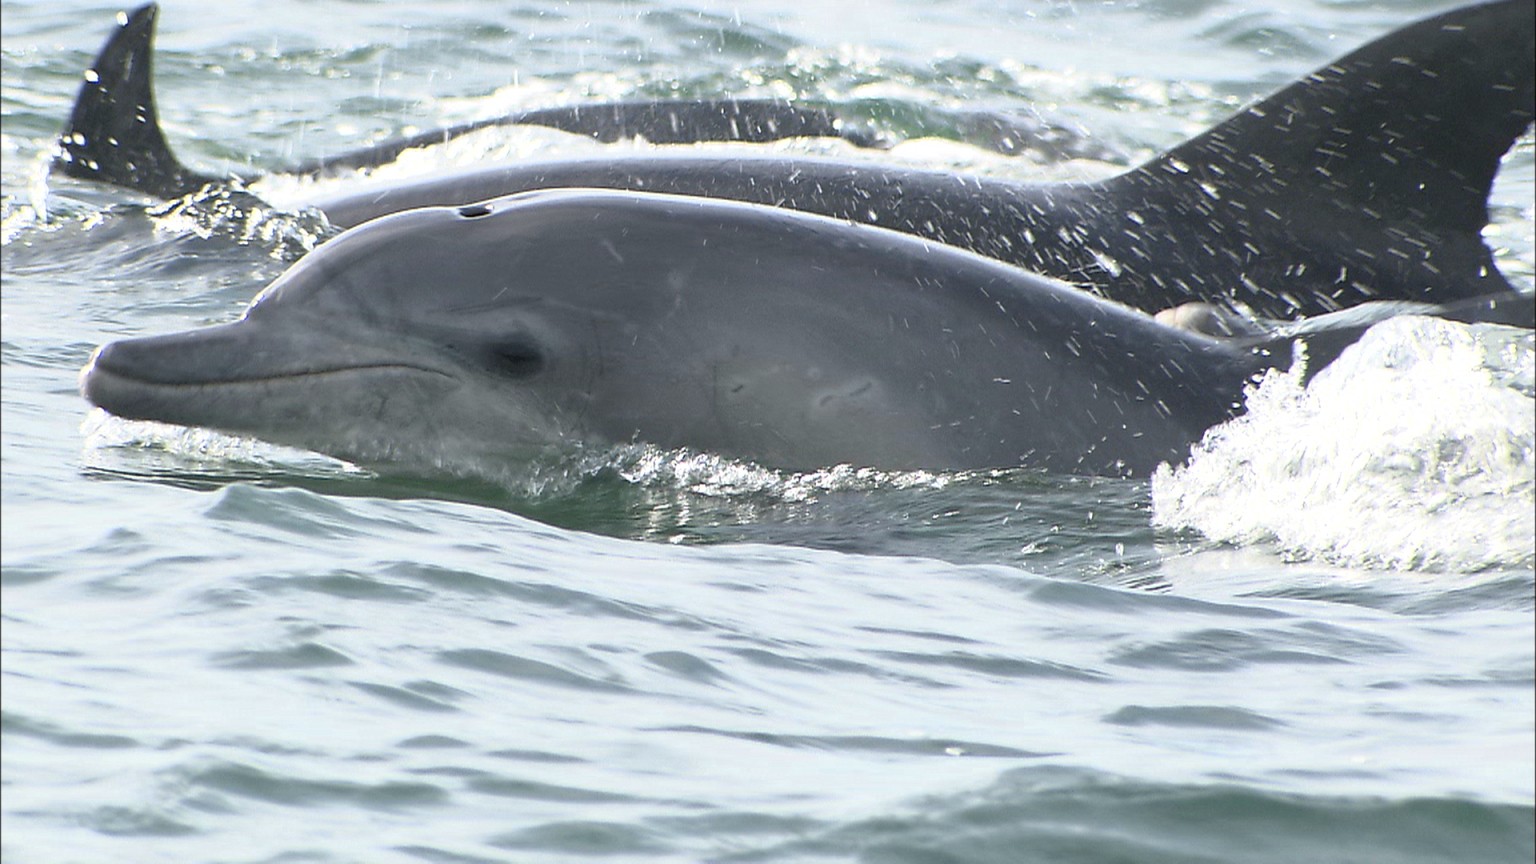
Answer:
(420, 337)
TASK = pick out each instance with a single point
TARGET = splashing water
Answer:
(1413, 450)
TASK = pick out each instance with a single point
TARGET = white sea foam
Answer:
(148, 446)
(718, 476)
(1413, 450)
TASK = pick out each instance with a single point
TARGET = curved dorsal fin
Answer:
(1412, 125)
(114, 132)
(1365, 180)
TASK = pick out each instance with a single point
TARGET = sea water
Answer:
(1312, 643)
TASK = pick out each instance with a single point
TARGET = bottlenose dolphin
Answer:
(456, 336)
(461, 338)
(1364, 180)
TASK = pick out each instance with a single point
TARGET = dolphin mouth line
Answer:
(97, 369)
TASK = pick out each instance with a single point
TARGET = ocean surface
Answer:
(1314, 643)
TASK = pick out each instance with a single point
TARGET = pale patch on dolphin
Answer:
(1365, 180)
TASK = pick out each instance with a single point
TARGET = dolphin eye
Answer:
(515, 358)
(472, 210)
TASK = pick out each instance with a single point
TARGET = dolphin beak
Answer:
(142, 378)
(227, 376)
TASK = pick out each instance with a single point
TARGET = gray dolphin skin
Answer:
(1365, 180)
(597, 316)
(740, 306)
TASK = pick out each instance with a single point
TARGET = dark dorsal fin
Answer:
(114, 133)
(1415, 122)
(1367, 179)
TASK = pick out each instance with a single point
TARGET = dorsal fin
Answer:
(1370, 177)
(1416, 122)
(114, 132)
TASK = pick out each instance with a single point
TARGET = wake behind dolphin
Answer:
(694, 314)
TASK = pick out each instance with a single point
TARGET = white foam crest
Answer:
(1413, 450)
(513, 145)
(183, 446)
(718, 476)
(493, 145)
(235, 215)
(146, 446)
